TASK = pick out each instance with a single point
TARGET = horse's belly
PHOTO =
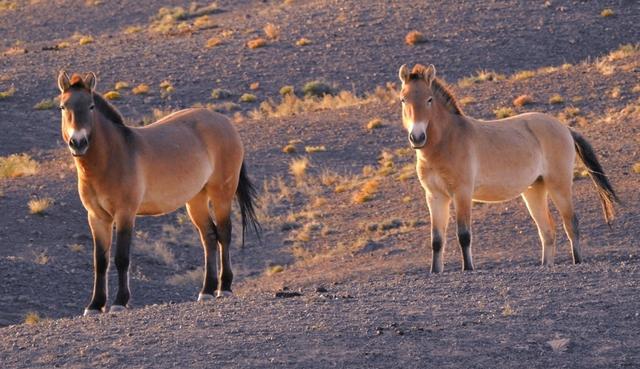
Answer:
(165, 194)
(498, 191)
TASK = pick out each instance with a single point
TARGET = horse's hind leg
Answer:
(198, 209)
(462, 204)
(536, 199)
(561, 197)
(222, 203)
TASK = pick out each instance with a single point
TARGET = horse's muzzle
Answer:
(78, 146)
(418, 141)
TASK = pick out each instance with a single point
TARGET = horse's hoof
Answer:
(223, 294)
(204, 297)
(89, 312)
(115, 309)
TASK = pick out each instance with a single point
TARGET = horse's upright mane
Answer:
(439, 87)
(109, 111)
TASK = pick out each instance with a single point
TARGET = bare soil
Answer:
(366, 297)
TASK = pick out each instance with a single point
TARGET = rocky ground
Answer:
(366, 298)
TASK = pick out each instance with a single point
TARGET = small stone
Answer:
(287, 294)
(321, 290)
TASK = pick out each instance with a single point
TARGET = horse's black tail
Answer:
(604, 188)
(246, 196)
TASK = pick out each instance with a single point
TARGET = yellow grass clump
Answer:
(39, 206)
(479, 77)
(275, 269)
(414, 38)
(63, 45)
(112, 95)
(636, 168)
(522, 100)
(132, 29)
(374, 124)
(312, 149)
(32, 318)
(248, 98)
(85, 40)
(289, 149)
(503, 112)
(467, 100)
(367, 192)
(213, 42)
(17, 165)
(556, 99)
(141, 89)
(256, 43)
(607, 12)
(298, 168)
(303, 42)
(522, 75)
(7, 93)
(121, 85)
(271, 31)
(286, 90)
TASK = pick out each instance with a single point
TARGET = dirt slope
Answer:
(381, 308)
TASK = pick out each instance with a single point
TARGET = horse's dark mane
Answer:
(107, 110)
(439, 88)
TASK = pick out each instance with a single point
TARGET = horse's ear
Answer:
(63, 81)
(430, 74)
(90, 80)
(403, 73)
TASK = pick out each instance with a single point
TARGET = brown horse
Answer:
(193, 156)
(461, 159)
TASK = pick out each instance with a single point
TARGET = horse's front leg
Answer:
(462, 203)
(101, 230)
(124, 230)
(439, 212)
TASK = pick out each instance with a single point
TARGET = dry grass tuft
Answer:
(522, 75)
(274, 269)
(303, 42)
(507, 310)
(286, 90)
(317, 88)
(256, 43)
(112, 95)
(121, 85)
(481, 76)
(271, 31)
(42, 258)
(374, 124)
(504, 112)
(623, 51)
(559, 344)
(556, 99)
(76, 247)
(85, 40)
(615, 92)
(414, 38)
(45, 104)
(607, 12)
(312, 149)
(289, 149)
(213, 42)
(522, 100)
(298, 168)
(63, 45)
(141, 89)
(203, 22)
(156, 115)
(17, 165)
(130, 30)
(32, 318)
(248, 98)
(7, 93)
(219, 93)
(636, 168)
(367, 191)
(467, 100)
(39, 206)
(191, 277)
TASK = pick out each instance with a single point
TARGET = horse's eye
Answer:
(403, 100)
(429, 100)
(91, 107)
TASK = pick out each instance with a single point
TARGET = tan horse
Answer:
(461, 159)
(193, 156)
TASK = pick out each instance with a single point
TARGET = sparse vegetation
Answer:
(132, 29)
(522, 75)
(85, 40)
(120, 85)
(312, 149)
(367, 191)
(298, 168)
(286, 90)
(481, 76)
(17, 165)
(607, 12)
(41, 258)
(32, 318)
(303, 42)
(256, 43)
(522, 100)
(39, 206)
(374, 124)
(317, 88)
(141, 89)
(76, 247)
(503, 112)
(219, 93)
(623, 51)
(414, 38)
(467, 100)
(271, 31)
(45, 104)
(556, 99)
(213, 42)
(112, 95)
(254, 86)
(7, 93)
(248, 98)
(274, 269)
(636, 168)
(63, 45)
(289, 149)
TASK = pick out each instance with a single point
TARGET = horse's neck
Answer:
(104, 148)
(446, 130)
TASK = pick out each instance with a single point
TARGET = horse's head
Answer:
(77, 109)
(417, 97)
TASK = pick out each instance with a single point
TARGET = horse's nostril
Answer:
(78, 144)
(417, 139)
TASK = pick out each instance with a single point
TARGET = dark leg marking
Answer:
(224, 241)
(123, 247)
(101, 264)
(464, 238)
(210, 279)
